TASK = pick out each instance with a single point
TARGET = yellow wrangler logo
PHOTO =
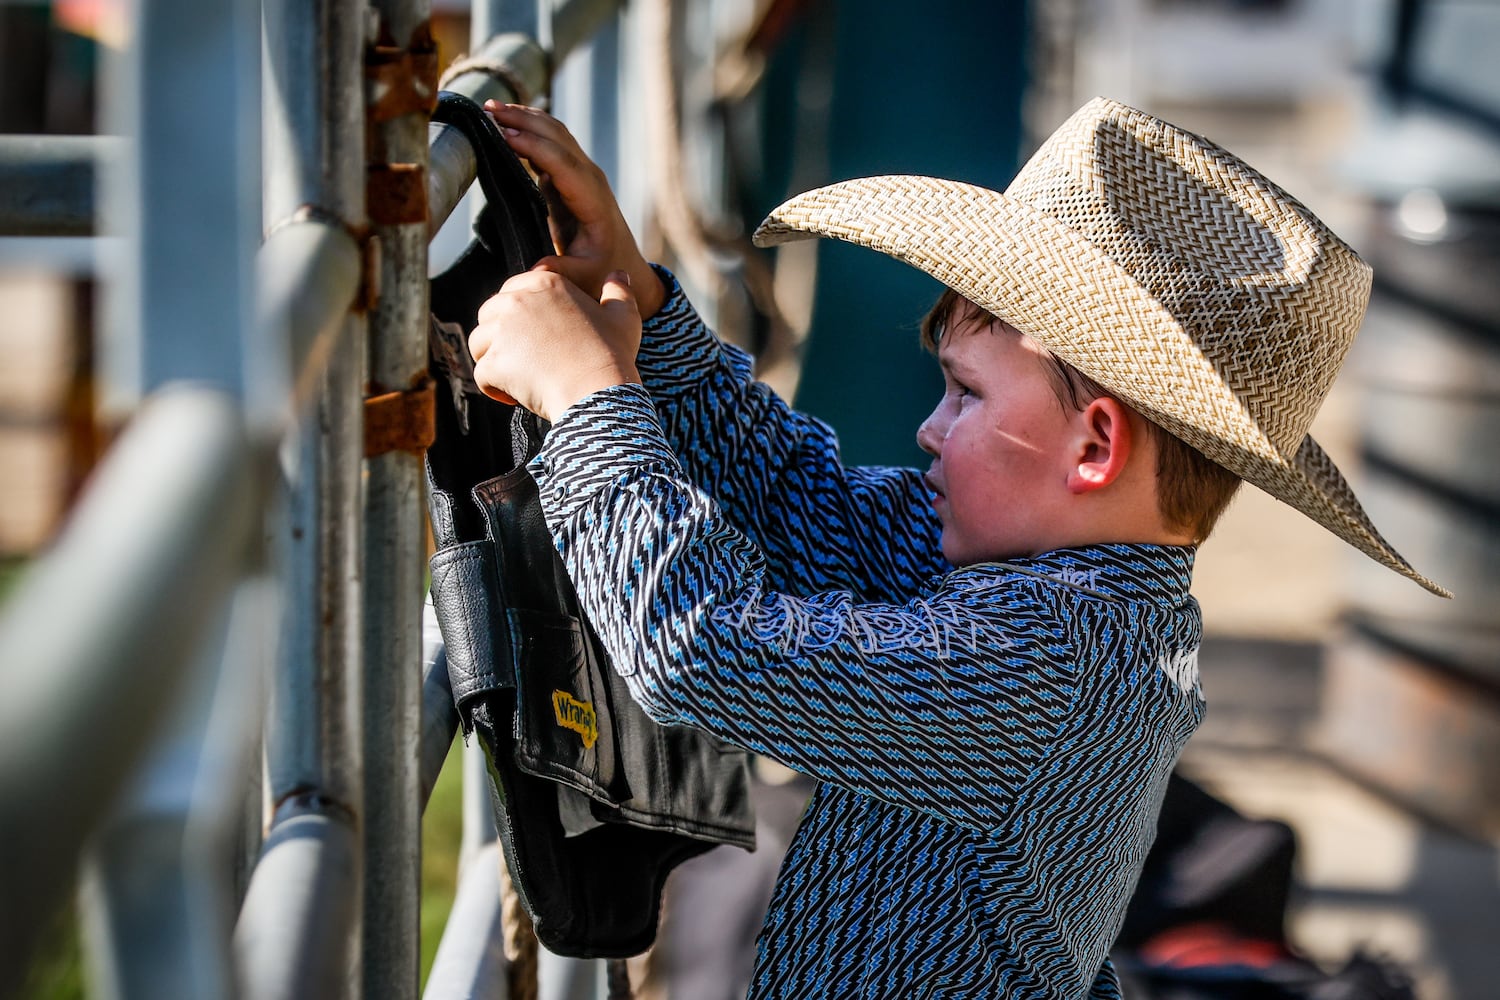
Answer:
(577, 716)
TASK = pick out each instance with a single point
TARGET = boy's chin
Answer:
(959, 555)
(961, 552)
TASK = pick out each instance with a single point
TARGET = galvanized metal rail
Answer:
(240, 556)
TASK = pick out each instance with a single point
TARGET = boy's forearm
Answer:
(650, 290)
(692, 619)
(677, 351)
(777, 472)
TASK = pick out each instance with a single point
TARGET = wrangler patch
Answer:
(577, 716)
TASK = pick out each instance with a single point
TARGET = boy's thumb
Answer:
(616, 293)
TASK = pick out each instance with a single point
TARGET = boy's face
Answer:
(1000, 441)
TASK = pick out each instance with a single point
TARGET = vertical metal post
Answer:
(158, 897)
(291, 940)
(100, 638)
(490, 17)
(184, 95)
(159, 892)
(393, 535)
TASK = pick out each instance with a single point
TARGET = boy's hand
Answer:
(586, 221)
(544, 343)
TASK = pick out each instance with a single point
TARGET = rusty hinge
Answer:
(401, 81)
(401, 421)
(398, 82)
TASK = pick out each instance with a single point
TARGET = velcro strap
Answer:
(465, 595)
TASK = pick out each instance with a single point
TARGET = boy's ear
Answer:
(1104, 445)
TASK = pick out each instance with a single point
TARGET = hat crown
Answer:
(1161, 266)
(1265, 291)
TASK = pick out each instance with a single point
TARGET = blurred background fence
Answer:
(219, 722)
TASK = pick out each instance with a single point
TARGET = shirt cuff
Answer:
(608, 437)
(676, 346)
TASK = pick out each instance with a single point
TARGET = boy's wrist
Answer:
(567, 394)
(676, 350)
(571, 468)
(649, 290)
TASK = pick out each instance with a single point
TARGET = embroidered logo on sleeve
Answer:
(1181, 666)
(802, 625)
(577, 716)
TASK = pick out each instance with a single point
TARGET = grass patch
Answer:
(56, 971)
(442, 834)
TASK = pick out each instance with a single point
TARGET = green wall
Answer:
(917, 88)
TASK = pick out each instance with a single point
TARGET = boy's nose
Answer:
(928, 437)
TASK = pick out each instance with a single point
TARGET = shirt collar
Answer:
(1119, 571)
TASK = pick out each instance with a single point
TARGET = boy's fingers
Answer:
(617, 295)
(479, 338)
(531, 124)
(487, 310)
(572, 268)
(575, 182)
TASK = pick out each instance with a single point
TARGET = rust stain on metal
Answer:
(402, 420)
(396, 193)
(401, 81)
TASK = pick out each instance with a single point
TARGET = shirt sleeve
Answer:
(776, 473)
(939, 705)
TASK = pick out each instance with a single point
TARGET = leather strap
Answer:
(514, 220)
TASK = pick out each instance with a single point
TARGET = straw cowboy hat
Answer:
(1163, 267)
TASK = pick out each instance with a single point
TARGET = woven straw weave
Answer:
(1161, 266)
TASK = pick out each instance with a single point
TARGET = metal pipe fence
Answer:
(241, 586)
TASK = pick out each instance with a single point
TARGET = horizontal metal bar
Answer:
(47, 182)
(470, 960)
(574, 22)
(98, 637)
(308, 273)
(295, 932)
(451, 165)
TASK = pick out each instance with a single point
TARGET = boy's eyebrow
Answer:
(953, 366)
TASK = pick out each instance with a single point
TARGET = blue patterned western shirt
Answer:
(992, 742)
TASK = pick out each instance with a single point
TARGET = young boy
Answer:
(992, 666)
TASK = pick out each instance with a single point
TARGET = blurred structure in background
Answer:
(1427, 158)
(48, 437)
(1365, 715)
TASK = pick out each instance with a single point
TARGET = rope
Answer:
(679, 223)
(520, 940)
(698, 248)
(507, 76)
(617, 979)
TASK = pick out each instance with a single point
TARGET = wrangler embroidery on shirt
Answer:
(1088, 579)
(801, 626)
(577, 716)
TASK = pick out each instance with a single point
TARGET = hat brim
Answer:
(1056, 287)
